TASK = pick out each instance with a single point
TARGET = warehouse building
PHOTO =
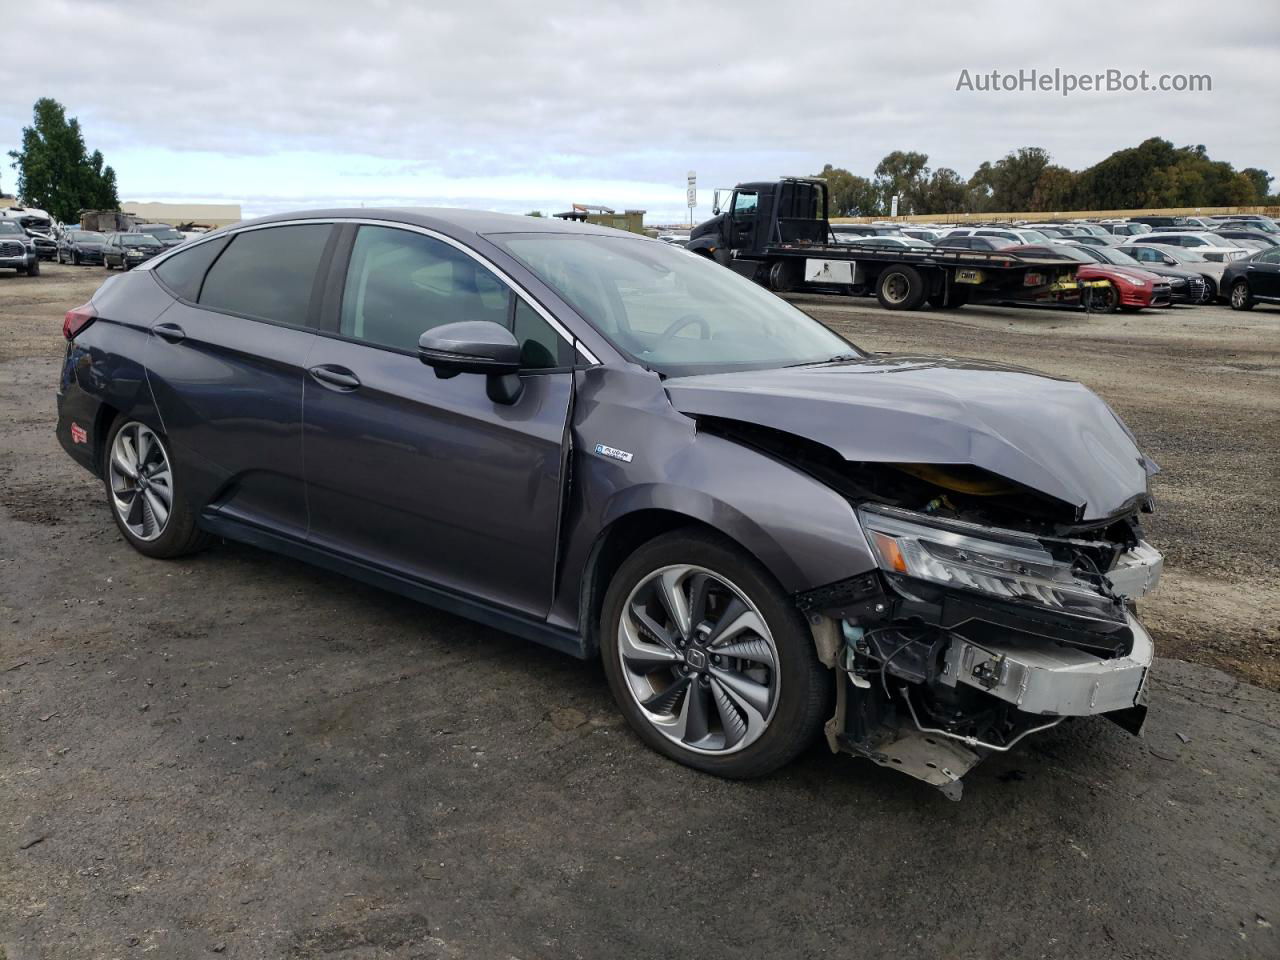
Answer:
(177, 214)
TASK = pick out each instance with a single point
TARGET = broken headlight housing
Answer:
(1005, 564)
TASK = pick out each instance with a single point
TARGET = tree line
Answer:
(1153, 174)
(56, 173)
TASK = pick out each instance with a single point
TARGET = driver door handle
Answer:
(169, 332)
(335, 377)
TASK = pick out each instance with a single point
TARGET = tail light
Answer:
(77, 319)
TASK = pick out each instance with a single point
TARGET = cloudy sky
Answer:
(523, 104)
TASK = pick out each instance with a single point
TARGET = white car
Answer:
(1209, 245)
(896, 243)
(1012, 234)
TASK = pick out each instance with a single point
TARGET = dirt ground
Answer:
(237, 755)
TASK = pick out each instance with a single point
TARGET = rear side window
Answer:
(267, 274)
(184, 272)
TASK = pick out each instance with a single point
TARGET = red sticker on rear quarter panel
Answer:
(78, 434)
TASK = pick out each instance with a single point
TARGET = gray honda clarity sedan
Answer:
(611, 446)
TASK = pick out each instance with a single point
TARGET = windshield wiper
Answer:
(838, 358)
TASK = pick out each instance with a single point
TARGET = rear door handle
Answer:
(335, 377)
(170, 332)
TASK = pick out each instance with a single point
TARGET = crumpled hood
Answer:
(1055, 436)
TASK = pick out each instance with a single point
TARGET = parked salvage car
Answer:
(894, 242)
(604, 444)
(127, 250)
(1258, 238)
(17, 251)
(850, 232)
(167, 235)
(1185, 286)
(81, 246)
(1255, 280)
(1158, 254)
(1209, 245)
(1130, 289)
(963, 242)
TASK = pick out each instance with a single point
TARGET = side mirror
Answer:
(715, 210)
(475, 346)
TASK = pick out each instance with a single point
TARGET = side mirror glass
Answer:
(475, 346)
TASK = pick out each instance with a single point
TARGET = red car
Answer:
(1131, 288)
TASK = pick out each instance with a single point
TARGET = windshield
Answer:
(1035, 236)
(139, 240)
(87, 236)
(1118, 257)
(163, 233)
(1072, 253)
(670, 310)
(8, 226)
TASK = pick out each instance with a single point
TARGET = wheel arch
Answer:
(620, 539)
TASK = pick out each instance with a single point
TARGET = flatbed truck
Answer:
(778, 233)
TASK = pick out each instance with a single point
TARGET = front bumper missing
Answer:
(1053, 679)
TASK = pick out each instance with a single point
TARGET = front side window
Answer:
(267, 274)
(401, 283)
(670, 310)
(744, 206)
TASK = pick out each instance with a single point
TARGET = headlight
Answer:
(1000, 563)
(1133, 281)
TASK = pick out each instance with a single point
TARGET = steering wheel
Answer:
(688, 320)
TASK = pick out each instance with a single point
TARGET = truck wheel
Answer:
(780, 277)
(34, 269)
(901, 288)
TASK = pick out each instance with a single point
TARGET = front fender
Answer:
(802, 531)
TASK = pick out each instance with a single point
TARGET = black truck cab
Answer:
(757, 215)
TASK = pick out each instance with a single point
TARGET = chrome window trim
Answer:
(546, 315)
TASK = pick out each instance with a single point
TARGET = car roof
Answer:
(446, 220)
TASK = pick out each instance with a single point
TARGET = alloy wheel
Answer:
(698, 659)
(141, 481)
(1239, 294)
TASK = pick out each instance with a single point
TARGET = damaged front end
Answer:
(970, 637)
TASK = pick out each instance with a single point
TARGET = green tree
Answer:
(1261, 181)
(1054, 190)
(945, 193)
(850, 195)
(905, 174)
(534, 213)
(54, 171)
(1014, 177)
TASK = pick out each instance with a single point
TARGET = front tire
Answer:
(1106, 300)
(1240, 299)
(707, 658)
(145, 502)
(34, 269)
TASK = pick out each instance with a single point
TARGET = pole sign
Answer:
(894, 207)
(693, 190)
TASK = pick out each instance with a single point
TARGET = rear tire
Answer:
(901, 288)
(720, 695)
(144, 492)
(1240, 299)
